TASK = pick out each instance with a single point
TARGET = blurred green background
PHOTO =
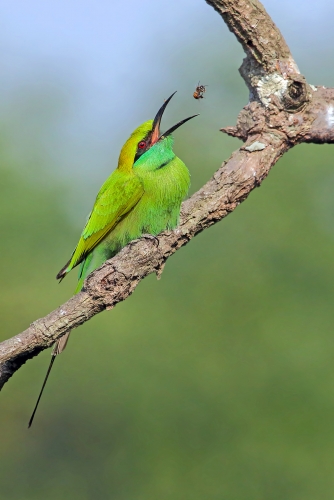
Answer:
(216, 382)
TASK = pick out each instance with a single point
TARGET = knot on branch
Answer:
(107, 286)
(291, 92)
(281, 107)
(297, 94)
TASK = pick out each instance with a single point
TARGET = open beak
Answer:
(157, 120)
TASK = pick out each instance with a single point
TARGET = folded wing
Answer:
(117, 197)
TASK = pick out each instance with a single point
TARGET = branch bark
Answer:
(284, 110)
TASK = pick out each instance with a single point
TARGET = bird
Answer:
(143, 195)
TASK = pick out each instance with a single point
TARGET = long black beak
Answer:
(157, 120)
(171, 130)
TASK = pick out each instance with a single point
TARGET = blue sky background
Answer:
(100, 68)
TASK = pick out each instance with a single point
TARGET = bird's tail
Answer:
(41, 391)
(60, 344)
(58, 348)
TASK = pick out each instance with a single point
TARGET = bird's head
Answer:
(145, 137)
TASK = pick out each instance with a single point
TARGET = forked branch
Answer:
(284, 110)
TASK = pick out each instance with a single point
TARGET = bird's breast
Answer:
(164, 191)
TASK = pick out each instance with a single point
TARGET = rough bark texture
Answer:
(284, 110)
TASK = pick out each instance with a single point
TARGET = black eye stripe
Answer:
(139, 153)
(146, 145)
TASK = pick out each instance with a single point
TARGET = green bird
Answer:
(143, 195)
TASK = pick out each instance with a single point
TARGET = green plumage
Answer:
(143, 195)
(143, 199)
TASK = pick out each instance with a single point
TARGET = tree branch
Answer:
(260, 38)
(283, 111)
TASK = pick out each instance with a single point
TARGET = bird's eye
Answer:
(142, 145)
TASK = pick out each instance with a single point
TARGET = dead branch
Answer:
(284, 110)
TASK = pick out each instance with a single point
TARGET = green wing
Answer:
(118, 195)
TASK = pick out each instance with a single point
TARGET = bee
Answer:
(199, 91)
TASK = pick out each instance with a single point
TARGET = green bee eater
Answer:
(143, 195)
